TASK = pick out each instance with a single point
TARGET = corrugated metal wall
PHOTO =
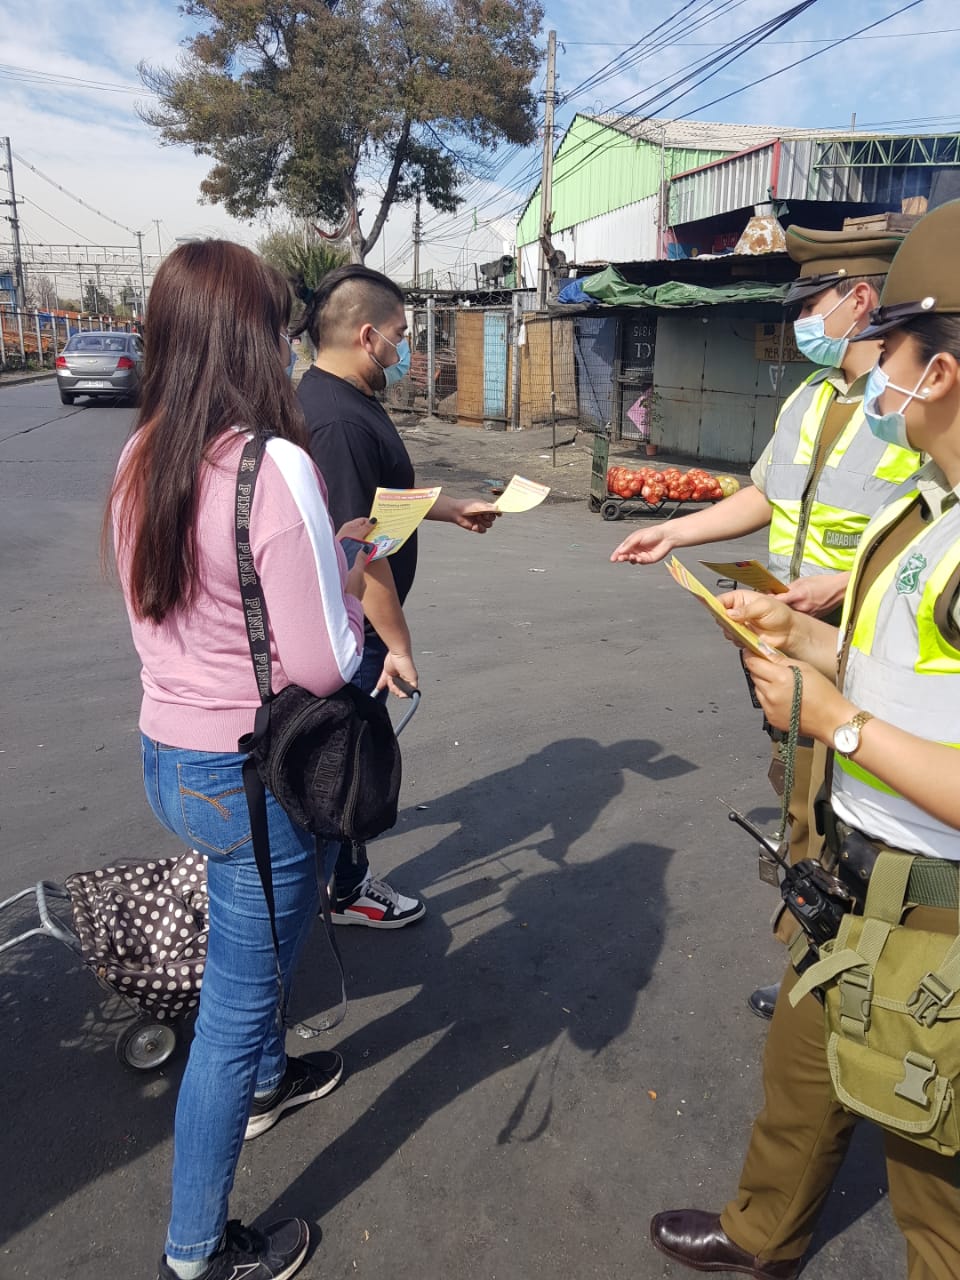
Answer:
(625, 235)
(741, 181)
(598, 169)
(735, 183)
(714, 399)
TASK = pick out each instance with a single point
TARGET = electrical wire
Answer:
(647, 47)
(33, 75)
(63, 190)
(704, 11)
(713, 65)
(53, 218)
(781, 20)
(644, 48)
(892, 35)
(799, 62)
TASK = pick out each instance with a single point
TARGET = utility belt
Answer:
(852, 856)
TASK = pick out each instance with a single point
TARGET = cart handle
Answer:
(49, 924)
(414, 695)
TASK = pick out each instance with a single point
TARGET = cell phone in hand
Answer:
(352, 547)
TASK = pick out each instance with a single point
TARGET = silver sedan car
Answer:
(100, 364)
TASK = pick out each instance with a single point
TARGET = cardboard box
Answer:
(882, 222)
(916, 205)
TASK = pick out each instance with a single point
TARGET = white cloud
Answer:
(93, 143)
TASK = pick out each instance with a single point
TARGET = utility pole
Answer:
(19, 284)
(417, 232)
(156, 223)
(546, 180)
(143, 283)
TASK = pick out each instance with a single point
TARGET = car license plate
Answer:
(90, 382)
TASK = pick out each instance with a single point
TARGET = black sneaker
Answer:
(304, 1080)
(244, 1252)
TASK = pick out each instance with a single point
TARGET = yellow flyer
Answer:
(681, 574)
(398, 512)
(749, 573)
(521, 495)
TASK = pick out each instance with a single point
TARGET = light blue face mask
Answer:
(813, 342)
(891, 428)
(393, 373)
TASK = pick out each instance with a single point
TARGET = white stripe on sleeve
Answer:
(300, 477)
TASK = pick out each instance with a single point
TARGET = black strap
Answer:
(254, 605)
(257, 624)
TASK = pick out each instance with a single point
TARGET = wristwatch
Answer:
(846, 738)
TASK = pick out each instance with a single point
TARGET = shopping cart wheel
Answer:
(610, 511)
(145, 1045)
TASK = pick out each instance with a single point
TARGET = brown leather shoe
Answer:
(697, 1240)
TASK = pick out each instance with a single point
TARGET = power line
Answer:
(816, 54)
(33, 75)
(644, 48)
(106, 217)
(891, 35)
(731, 53)
(780, 21)
(54, 218)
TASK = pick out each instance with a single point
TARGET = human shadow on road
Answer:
(516, 913)
(530, 952)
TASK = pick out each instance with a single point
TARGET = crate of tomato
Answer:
(651, 489)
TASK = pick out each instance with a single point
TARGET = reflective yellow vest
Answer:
(901, 667)
(859, 476)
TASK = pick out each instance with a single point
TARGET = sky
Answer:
(69, 87)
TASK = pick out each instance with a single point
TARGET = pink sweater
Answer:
(199, 690)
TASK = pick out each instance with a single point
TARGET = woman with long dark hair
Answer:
(214, 374)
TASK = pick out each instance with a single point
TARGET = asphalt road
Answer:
(558, 1050)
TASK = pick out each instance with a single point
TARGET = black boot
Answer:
(763, 1001)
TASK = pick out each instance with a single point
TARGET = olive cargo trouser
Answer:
(801, 1136)
(808, 772)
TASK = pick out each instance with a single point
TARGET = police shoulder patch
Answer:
(908, 575)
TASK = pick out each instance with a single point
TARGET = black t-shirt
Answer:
(357, 448)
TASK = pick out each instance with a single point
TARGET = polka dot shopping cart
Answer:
(141, 928)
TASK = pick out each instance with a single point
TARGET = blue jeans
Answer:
(352, 864)
(238, 1044)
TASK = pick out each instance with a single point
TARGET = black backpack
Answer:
(333, 763)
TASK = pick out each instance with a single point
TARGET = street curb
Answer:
(15, 379)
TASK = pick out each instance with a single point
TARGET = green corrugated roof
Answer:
(598, 168)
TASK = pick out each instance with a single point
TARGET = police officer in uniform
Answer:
(820, 478)
(894, 780)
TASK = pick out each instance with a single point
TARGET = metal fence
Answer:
(504, 367)
(460, 364)
(34, 339)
